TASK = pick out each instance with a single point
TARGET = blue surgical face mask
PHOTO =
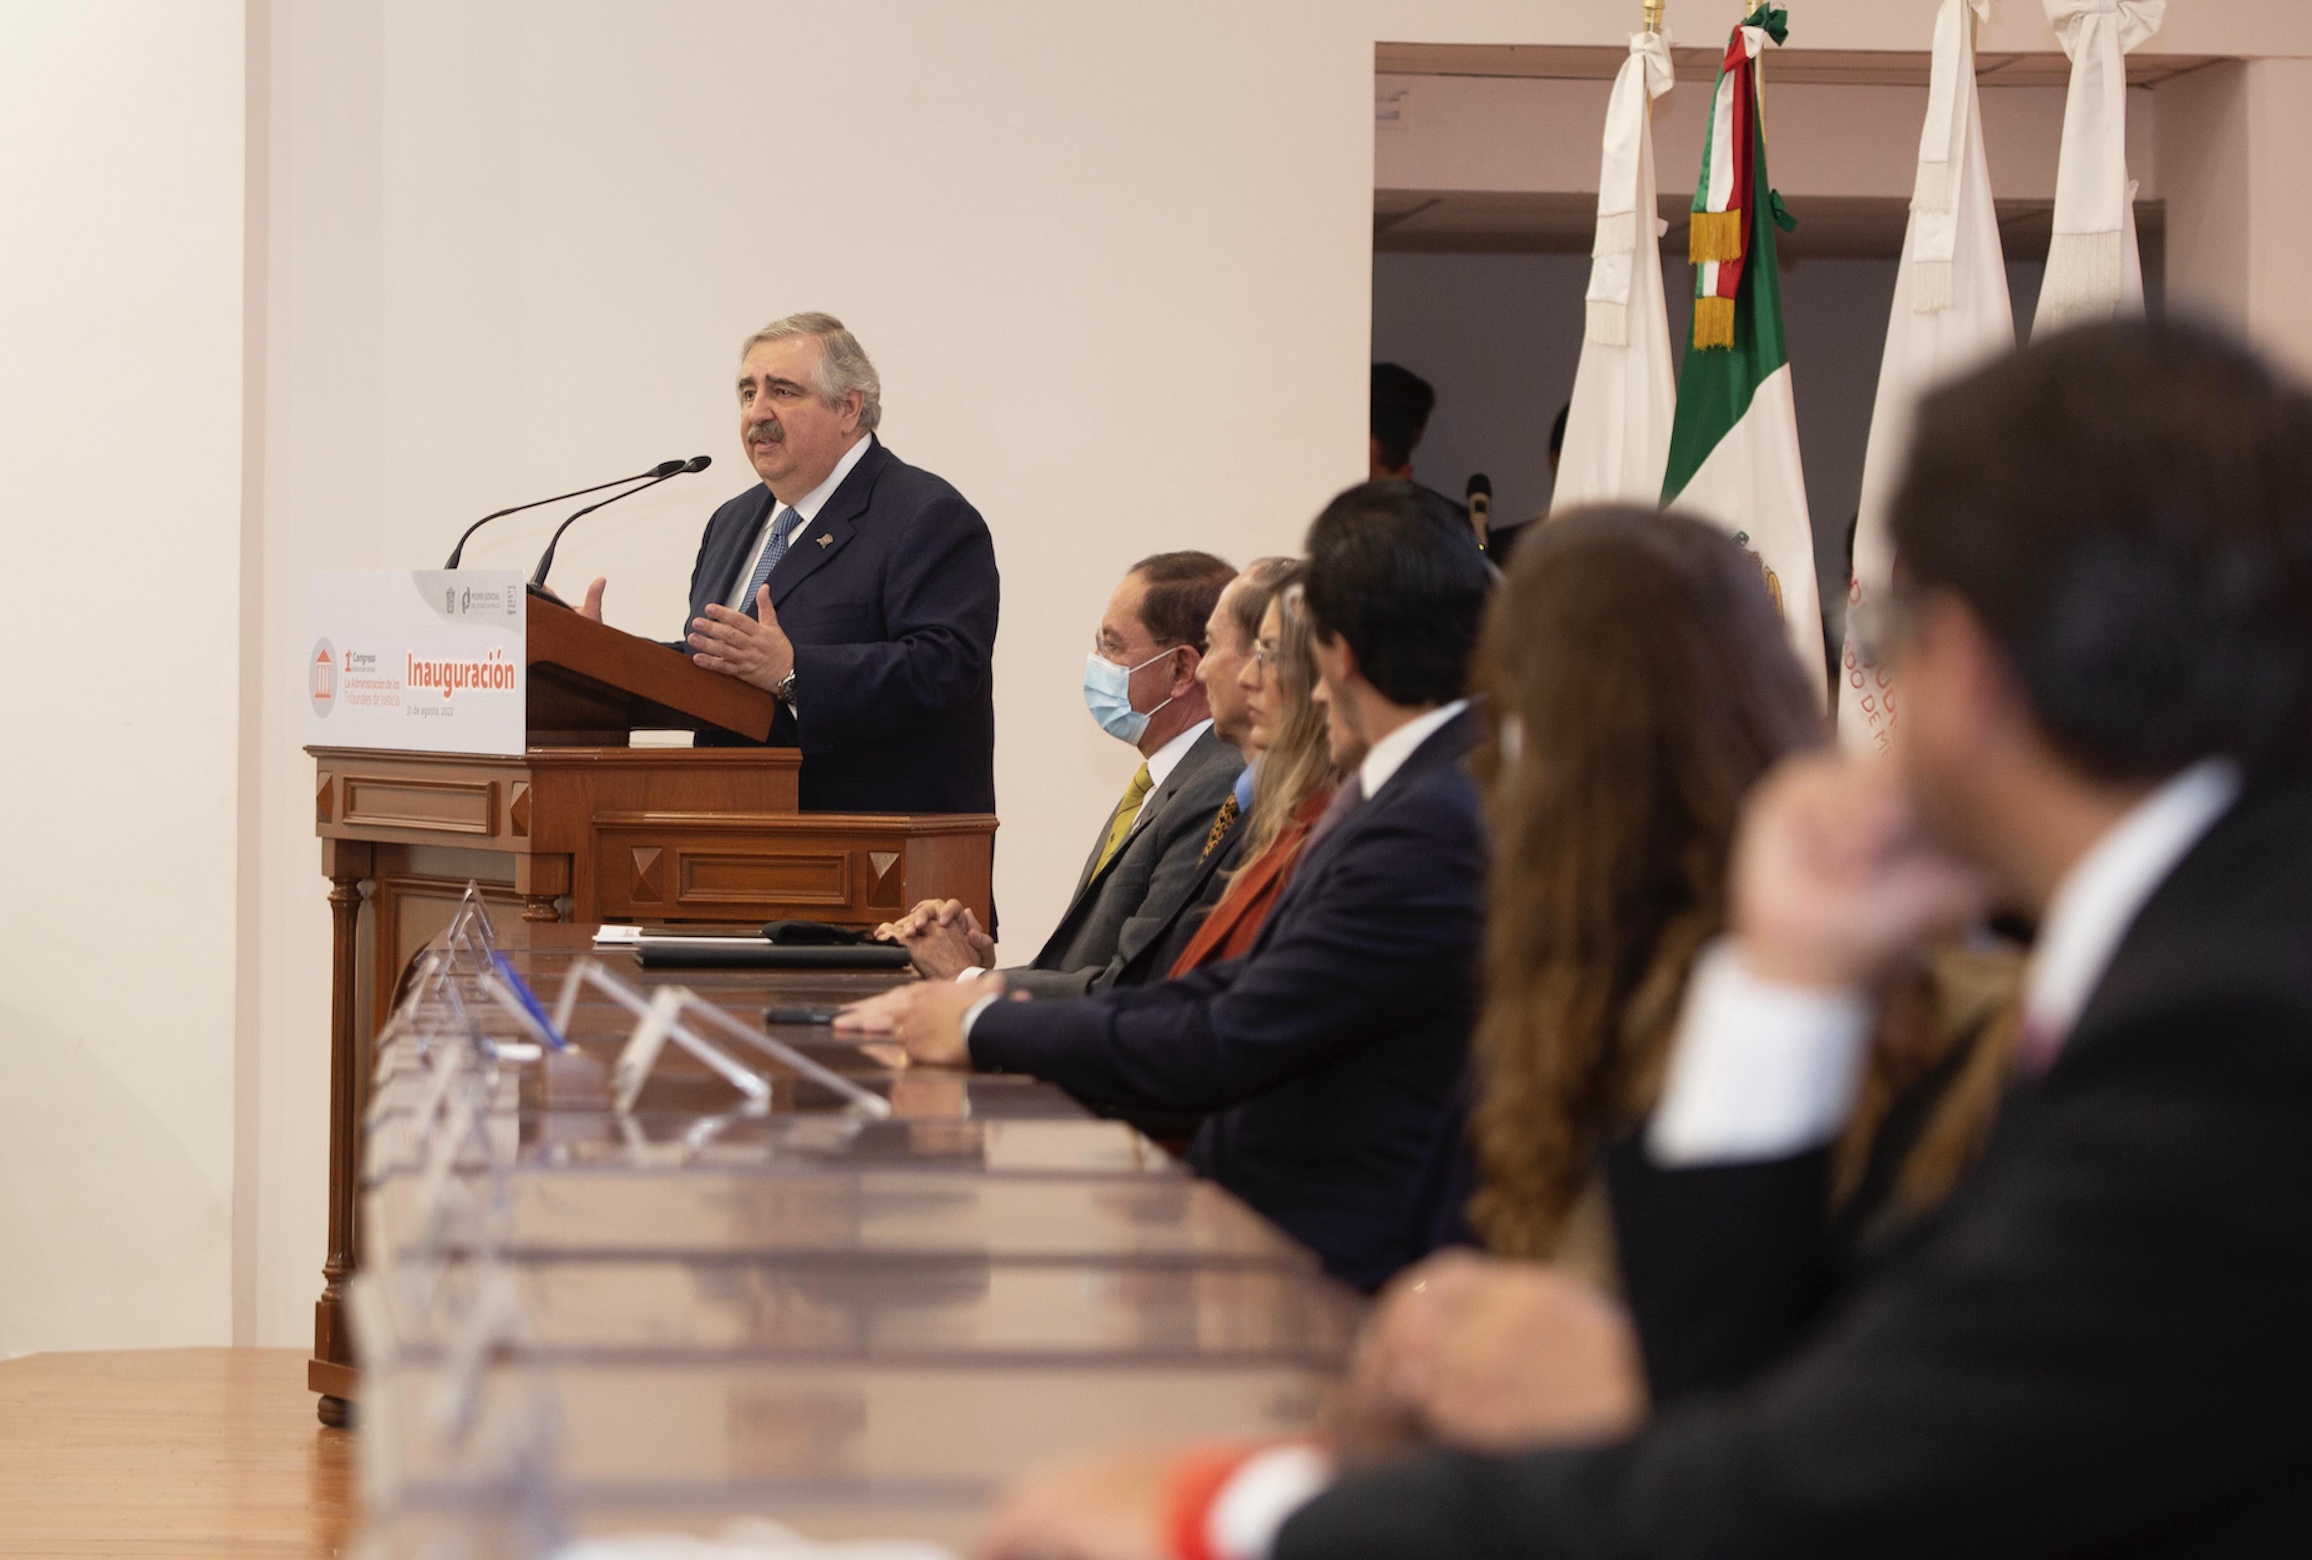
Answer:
(1108, 695)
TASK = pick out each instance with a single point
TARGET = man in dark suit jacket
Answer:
(1144, 860)
(1122, 903)
(2105, 652)
(859, 589)
(1326, 1055)
(1223, 850)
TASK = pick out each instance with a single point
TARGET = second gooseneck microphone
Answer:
(666, 469)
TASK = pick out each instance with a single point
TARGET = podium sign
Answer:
(416, 660)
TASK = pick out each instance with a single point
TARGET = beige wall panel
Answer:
(120, 301)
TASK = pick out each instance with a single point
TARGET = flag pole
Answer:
(1757, 76)
(1654, 10)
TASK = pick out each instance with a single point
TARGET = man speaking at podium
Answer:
(859, 589)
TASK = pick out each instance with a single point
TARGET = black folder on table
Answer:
(668, 950)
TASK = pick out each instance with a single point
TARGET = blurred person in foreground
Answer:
(2103, 638)
(1640, 687)
(1325, 1056)
(1644, 686)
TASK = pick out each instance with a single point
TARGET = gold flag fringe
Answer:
(1714, 235)
(1713, 322)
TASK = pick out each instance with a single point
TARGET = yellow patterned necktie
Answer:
(1227, 815)
(1127, 809)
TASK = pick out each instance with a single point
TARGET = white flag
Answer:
(2094, 270)
(1950, 314)
(1625, 392)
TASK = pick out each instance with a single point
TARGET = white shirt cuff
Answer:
(971, 1014)
(1253, 1505)
(970, 972)
(1758, 1070)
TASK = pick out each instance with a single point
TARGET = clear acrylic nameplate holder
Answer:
(452, 1424)
(470, 938)
(478, 1442)
(434, 1060)
(676, 1014)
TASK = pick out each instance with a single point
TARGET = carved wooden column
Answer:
(345, 863)
(541, 881)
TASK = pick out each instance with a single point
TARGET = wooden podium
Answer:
(583, 827)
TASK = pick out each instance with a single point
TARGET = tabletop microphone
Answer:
(1480, 496)
(666, 468)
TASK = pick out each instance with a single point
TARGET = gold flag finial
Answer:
(1654, 15)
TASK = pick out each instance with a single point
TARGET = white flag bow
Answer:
(1646, 75)
(2137, 19)
(2088, 272)
(1942, 152)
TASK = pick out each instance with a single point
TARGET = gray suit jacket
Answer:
(1120, 910)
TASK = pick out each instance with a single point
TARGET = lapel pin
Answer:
(824, 540)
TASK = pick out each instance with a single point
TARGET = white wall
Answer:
(2229, 141)
(120, 429)
(1115, 265)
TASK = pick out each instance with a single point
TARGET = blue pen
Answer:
(529, 1000)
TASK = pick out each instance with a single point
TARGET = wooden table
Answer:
(698, 836)
(857, 1327)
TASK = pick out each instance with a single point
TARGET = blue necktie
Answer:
(781, 529)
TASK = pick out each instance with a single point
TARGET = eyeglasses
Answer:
(1265, 655)
(1101, 650)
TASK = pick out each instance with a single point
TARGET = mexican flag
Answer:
(1734, 447)
(1950, 314)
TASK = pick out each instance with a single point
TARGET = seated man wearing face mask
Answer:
(1141, 685)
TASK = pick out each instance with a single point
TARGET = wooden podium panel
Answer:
(591, 684)
(581, 827)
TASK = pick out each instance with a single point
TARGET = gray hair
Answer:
(843, 364)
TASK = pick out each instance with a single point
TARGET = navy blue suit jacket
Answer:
(1328, 1054)
(890, 597)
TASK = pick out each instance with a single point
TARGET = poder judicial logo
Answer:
(465, 602)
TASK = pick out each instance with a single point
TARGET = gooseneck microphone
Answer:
(1480, 497)
(664, 469)
(672, 468)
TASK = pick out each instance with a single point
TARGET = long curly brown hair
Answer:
(1642, 682)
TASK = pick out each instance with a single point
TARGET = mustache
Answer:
(765, 430)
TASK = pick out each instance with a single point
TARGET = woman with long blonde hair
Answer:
(1293, 780)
